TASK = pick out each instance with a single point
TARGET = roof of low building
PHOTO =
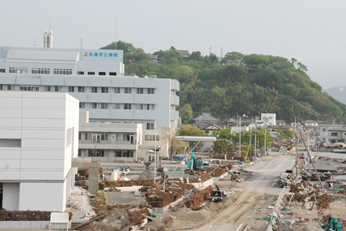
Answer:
(338, 129)
(184, 53)
(205, 116)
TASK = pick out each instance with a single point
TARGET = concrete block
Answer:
(5, 224)
(25, 224)
(35, 224)
(44, 224)
(93, 173)
(15, 224)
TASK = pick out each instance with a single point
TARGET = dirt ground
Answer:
(235, 209)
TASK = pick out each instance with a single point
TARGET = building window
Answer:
(91, 73)
(81, 89)
(79, 135)
(151, 91)
(94, 105)
(53, 88)
(150, 126)
(140, 91)
(113, 73)
(334, 134)
(18, 70)
(117, 90)
(94, 89)
(70, 89)
(127, 106)
(102, 73)
(2, 70)
(79, 152)
(86, 136)
(152, 137)
(58, 71)
(127, 90)
(81, 105)
(104, 136)
(28, 88)
(80, 73)
(117, 106)
(139, 107)
(40, 70)
(94, 152)
(1, 87)
(104, 105)
(104, 89)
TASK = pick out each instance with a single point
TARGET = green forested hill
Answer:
(237, 84)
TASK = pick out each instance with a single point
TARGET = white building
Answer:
(96, 78)
(109, 142)
(38, 139)
(269, 118)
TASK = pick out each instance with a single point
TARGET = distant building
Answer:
(324, 128)
(337, 135)
(269, 118)
(184, 53)
(209, 128)
(206, 118)
(38, 140)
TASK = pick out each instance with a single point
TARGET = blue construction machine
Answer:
(195, 164)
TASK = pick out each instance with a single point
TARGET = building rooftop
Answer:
(205, 117)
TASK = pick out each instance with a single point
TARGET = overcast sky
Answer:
(313, 32)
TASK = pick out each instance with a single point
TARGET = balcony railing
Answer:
(106, 142)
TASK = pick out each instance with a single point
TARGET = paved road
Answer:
(266, 173)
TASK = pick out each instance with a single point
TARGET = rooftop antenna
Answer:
(115, 35)
(209, 50)
(221, 52)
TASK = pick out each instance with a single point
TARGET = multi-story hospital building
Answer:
(121, 115)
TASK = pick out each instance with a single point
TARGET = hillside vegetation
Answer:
(237, 84)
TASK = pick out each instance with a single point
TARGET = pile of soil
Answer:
(26, 215)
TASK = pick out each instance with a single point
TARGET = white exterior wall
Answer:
(164, 99)
(10, 196)
(40, 121)
(271, 118)
(110, 145)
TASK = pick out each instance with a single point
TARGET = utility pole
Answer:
(297, 157)
(255, 151)
(265, 136)
(240, 136)
(318, 176)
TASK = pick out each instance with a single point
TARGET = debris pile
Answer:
(79, 199)
(198, 199)
(114, 184)
(215, 171)
(157, 198)
(26, 215)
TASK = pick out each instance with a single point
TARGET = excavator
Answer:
(195, 164)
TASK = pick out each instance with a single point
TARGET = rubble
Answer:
(79, 199)
(26, 215)
(198, 199)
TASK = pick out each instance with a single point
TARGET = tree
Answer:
(232, 57)
(223, 146)
(302, 67)
(225, 133)
(188, 130)
(186, 113)
(174, 146)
